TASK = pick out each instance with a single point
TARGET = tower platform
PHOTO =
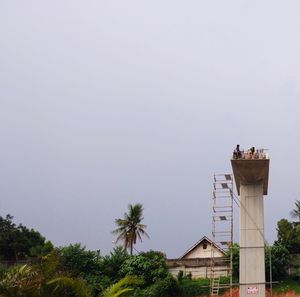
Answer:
(250, 172)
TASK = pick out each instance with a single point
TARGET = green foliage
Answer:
(41, 280)
(41, 250)
(19, 281)
(280, 260)
(162, 288)
(295, 213)
(18, 242)
(112, 263)
(130, 228)
(235, 259)
(57, 282)
(192, 288)
(298, 267)
(151, 266)
(67, 286)
(288, 234)
(180, 275)
(124, 287)
(2, 271)
(78, 261)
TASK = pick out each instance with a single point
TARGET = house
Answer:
(197, 260)
(203, 249)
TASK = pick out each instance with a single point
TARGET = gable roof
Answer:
(204, 238)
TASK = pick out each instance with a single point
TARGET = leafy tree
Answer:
(298, 267)
(180, 275)
(150, 265)
(235, 260)
(78, 261)
(18, 242)
(41, 250)
(130, 228)
(67, 286)
(19, 280)
(280, 258)
(112, 263)
(295, 213)
(42, 280)
(288, 235)
(56, 282)
(279, 255)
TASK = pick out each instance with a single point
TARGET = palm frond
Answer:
(122, 287)
(295, 213)
(78, 286)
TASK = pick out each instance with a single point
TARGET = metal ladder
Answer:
(215, 286)
(222, 232)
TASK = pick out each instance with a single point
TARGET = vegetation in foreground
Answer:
(74, 271)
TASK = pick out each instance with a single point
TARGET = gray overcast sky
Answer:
(105, 103)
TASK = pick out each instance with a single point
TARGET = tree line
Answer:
(74, 271)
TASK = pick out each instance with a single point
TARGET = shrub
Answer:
(192, 288)
(111, 264)
(180, 275)
(164, 288)
(79, 261)
(280, 260)
(151, 266)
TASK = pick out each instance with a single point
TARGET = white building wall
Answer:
(201, 252)
(197, 272)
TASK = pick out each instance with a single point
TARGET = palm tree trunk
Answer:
(131, 248)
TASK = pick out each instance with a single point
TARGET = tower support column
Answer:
(252, 252)
(251, 178)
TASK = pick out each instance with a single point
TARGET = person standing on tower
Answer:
(237, 153)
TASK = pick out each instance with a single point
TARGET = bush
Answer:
(164, 288)
(111, 264)
(298, 267)
(192, 288)
(79, 261)
(151, 266)
(280, 260)
(17, 242)
(180, 275)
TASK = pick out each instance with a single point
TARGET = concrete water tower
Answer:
(251, 174)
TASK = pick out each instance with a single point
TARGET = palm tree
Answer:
(130, 228)
(19, 281)
(295, 213)
(41, 280)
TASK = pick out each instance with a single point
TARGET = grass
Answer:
(198, 287)
(287, 285)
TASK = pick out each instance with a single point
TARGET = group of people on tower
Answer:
(251, 153)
